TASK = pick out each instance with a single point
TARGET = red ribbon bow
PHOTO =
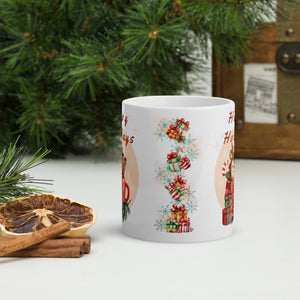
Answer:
(172, 185)
(173, 127)
(179, 180)
(186, 123)
(172, 155)
(184, 221)
(185, 159)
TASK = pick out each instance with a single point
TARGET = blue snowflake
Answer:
(168, 181)
(173, 120)
(164, 124)
(159, 225)
(191, 206)
(174, 147)
(162, 127)
(178, 203)
(192, 154)
(190, 194)
(164, 210)
(160, 174)
(159, 135)
(190, 141)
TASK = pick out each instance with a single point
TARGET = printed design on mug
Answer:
(172, 174)
(224, 174)
(130, 171)
(176, 163)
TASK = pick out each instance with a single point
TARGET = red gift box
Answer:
(184, 225)
(176, 192)
(228, 211)
(173, 132)
(178, 213)
(185, 163)
(182, 124)
(228, 215)
(177, 188)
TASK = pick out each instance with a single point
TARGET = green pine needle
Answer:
(125, 209)
(13, 181)
(66, 65)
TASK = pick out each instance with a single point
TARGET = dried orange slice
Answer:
(34, 212)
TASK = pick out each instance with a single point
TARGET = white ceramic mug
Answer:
(177, 168)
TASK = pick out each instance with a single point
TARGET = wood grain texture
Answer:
(268, 141)
(292, 21)
(273, 141)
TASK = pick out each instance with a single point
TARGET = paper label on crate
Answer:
(260, 84)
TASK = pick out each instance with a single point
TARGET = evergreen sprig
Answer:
(13, 181)
(66, 65)
(125, 210)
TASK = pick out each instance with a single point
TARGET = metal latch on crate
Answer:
(288, 57)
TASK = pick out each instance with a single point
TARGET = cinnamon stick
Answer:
(64, 252)
(85, 238)
(60, 242)
(24, 241)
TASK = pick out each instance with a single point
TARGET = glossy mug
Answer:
(177, 168)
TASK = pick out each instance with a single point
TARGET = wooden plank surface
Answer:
(255, 140)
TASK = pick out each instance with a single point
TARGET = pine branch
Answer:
(82, 71)
(150, 33)
(44, 117)
(66, 65)
(13, 181)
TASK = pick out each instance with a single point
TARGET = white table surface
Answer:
(261, 260)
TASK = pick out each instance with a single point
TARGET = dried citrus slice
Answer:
(34, 212)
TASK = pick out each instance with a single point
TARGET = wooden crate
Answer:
(255, 136)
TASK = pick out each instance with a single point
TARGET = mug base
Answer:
(188, 237)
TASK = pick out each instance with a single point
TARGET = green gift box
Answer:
(173, 225)
(228, 201)
(174, 166)
(174, 162)
(174, 159)
(182, 125)
(179, 191)
(168, 225)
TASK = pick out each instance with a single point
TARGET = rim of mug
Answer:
(143, 102)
